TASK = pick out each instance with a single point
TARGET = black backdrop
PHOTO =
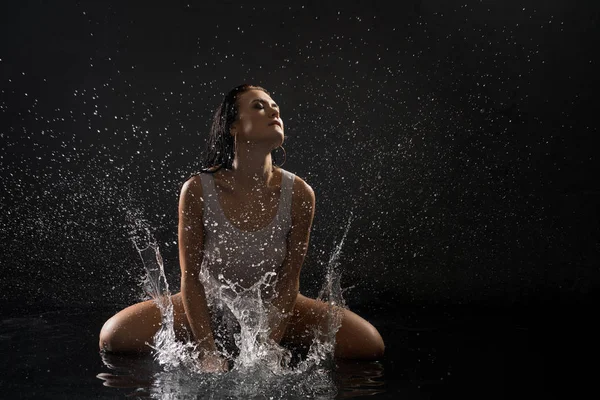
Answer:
(461, 135)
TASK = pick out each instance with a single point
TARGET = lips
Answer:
(276, 123)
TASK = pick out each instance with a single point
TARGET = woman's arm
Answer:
(287, 286)
(191, 245)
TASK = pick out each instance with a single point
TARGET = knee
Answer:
(358, 339)
(377, 345)
(108, 335)
(372, 346)
(115, 338)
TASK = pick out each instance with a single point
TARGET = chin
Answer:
(276, 137)
(280, 142)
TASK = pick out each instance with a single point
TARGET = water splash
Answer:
(322, 351)
(260, 365)
(253, 315)
(168, 351)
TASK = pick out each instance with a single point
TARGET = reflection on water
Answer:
(261, 368)
(143, 375)
(429, 354)
(359, 378)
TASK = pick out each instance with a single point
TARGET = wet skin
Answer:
(250, 202)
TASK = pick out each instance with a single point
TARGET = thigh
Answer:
(356, 338)
(131, 328)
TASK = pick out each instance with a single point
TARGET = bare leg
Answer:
(129, 329)
(356, 338)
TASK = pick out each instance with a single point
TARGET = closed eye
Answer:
(259, 104)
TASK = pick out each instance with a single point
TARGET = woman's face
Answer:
(258, 119)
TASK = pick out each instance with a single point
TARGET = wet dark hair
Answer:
(220, 148)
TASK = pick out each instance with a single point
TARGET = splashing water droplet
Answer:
(242, 316)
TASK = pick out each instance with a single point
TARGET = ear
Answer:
(233, 129)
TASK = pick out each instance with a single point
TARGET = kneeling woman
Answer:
(248, 218)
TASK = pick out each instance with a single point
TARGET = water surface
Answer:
(430, 353)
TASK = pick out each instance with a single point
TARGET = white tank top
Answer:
(241, 256)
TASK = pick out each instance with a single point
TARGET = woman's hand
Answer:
(212, 362)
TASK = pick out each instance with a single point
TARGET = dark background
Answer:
(461, 135)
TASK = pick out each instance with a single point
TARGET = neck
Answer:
(251, 168)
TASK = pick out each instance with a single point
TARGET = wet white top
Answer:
(240, 256)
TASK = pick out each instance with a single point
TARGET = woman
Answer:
(248, 217)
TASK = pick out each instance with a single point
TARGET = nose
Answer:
(274, 112)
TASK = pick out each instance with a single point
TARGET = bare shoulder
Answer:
(192, 187)
(303, 201)
(302, 190)
(190, 197)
